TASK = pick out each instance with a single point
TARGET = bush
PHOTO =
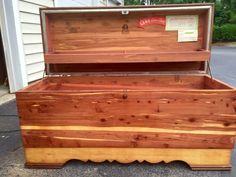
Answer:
(224, 33)
(222, 17)
(216, 33)
(233, 18)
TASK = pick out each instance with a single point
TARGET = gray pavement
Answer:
(12, 155)
(223, 64)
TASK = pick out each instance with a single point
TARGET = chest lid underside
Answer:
(127, 39)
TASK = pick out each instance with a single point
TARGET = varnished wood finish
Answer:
(97, 37)
(120, 83)
(124, 110)
(214, 83)
(91, 111)
(139, 139)
(102, 32)
(172, 113)
(134, 57)
(196, 158)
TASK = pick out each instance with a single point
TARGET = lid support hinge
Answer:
(44, 72)
(209, 70)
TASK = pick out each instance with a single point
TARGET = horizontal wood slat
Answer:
(160, 120)
(127, 57)
(129, 129)
(93, 138)
(120, 82)
(137, 102)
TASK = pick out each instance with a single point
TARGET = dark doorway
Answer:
(3, 71)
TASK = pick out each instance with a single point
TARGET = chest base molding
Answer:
(197, 159)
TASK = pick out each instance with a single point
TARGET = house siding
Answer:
(31, 30)
(31, 36)
(65, 3)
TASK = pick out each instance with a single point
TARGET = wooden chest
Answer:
(125, 84)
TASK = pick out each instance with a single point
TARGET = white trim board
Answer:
(13, 45)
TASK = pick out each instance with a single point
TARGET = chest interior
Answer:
(127, 48)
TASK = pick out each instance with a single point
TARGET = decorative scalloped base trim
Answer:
(197, 159)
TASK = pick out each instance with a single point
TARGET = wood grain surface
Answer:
(125, 118)
(100, 38)
(88, 111)
(203, 159)
(127, 57)
(126, 82)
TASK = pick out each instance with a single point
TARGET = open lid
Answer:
(127, 38)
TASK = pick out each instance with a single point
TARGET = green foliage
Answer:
(216, 33)
(222, 17)
(233, 5)
(232, 19)
(153, 2)
(226, 32)
(133, 2)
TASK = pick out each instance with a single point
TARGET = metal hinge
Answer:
(58, 75)
(209, 69)
(46, 73)
(54, 75)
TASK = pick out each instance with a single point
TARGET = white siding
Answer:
(31, 30)
(34, 58)
(31, 36)
(71, 3)
(33, 48)
(29, 18)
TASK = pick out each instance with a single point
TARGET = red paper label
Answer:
(152, 20)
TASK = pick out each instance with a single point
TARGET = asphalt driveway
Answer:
(11, 152)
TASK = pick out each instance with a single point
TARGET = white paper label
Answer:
(181, 22)
(187, 35)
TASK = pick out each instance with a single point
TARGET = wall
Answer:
(73, 3)
(31, 35)
(31, 30)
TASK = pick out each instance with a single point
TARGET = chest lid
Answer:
(130, 38)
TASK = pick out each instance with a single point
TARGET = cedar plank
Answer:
(176, 122)
(63, 138)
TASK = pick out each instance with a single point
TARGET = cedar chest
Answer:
(125, 84)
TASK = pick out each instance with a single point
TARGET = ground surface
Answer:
(225, 44)
(4, 95)
(12, 159)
